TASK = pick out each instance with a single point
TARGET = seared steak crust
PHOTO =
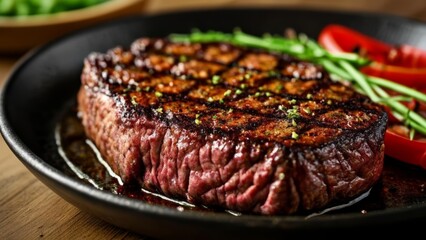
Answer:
(227, 127)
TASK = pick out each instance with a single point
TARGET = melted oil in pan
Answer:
(401, 184)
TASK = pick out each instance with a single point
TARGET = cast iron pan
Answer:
(45, 81)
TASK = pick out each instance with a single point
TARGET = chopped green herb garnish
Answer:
(281, 108)
(293, 113)
(307, 110)
(294, 123)
(243, 86)
(309, 96)
(210, 99)
(238, 91)
(268, 94)
(216, 79)
(158, 94)
(292, 101)
(183, 58)
(227, 93)
(294, 135)
(159, 110)
(197, 121)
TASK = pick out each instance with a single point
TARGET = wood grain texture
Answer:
(30, 210)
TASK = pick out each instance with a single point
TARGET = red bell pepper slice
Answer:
(404, 149)
(403, 64)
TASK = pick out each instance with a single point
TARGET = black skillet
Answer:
(45, 81)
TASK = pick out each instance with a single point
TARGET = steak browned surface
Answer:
(231, 128)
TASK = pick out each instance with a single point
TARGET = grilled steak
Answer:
(232, 128)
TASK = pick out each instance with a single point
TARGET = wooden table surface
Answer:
(30, 210)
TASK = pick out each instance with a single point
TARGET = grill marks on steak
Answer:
(227, 127)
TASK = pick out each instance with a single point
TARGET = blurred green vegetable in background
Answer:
(37, 7)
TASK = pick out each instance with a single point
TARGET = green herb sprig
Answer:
(341, 66)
